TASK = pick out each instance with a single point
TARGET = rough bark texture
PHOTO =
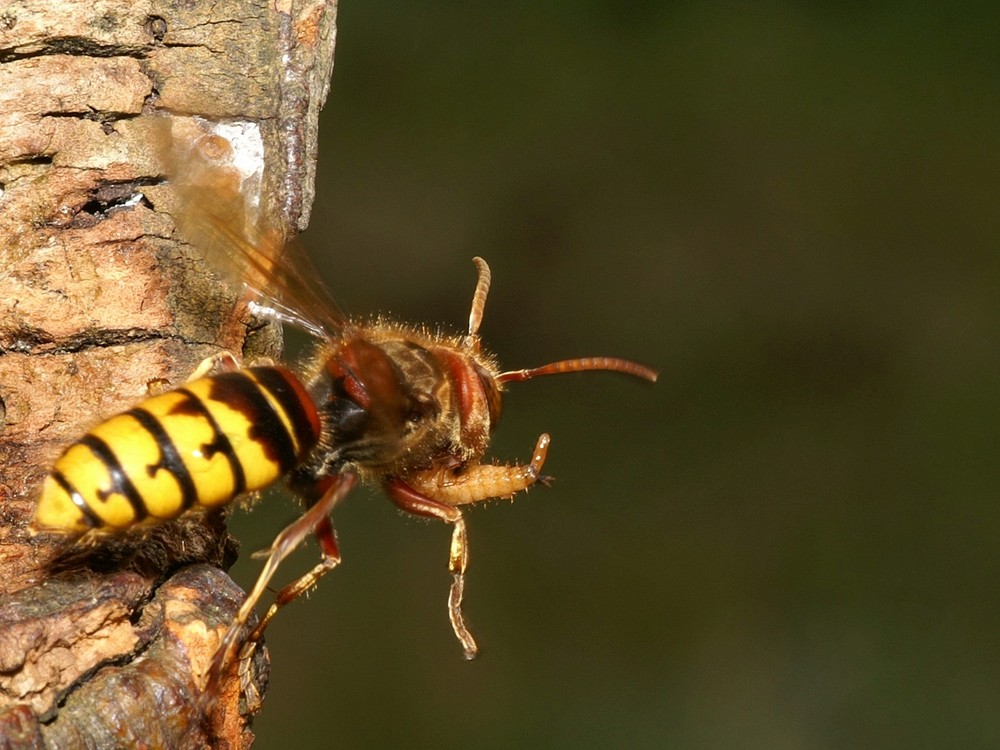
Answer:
(99, 303)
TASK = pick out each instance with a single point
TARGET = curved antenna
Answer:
(612, 364)
(478, 303)
(582, 364)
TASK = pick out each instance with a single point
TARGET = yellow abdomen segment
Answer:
(200, 445)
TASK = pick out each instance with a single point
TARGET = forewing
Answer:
(216, 172)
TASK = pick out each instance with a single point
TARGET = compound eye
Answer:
(492, 392)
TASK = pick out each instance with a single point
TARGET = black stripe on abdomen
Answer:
(88, 513)
(239, 392)
(120, 482)
(170, 458)
(276, 382)
(192, 404)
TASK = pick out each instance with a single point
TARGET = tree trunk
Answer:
(99, 304)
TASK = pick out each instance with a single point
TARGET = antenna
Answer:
(612, 364)
(478, 303)
(582, 364)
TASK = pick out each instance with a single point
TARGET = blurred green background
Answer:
(791, 541)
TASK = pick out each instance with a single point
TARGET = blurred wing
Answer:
(216, 171)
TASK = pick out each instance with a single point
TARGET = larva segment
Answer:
(478, 482)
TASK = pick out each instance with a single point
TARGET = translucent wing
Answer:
(216, 171)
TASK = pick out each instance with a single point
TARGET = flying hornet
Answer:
(379, 402)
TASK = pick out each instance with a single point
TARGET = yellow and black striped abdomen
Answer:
(200, 445)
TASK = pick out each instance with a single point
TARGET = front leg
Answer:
(436, 492)
(416, 502)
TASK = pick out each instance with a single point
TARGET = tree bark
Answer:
(99, 304)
